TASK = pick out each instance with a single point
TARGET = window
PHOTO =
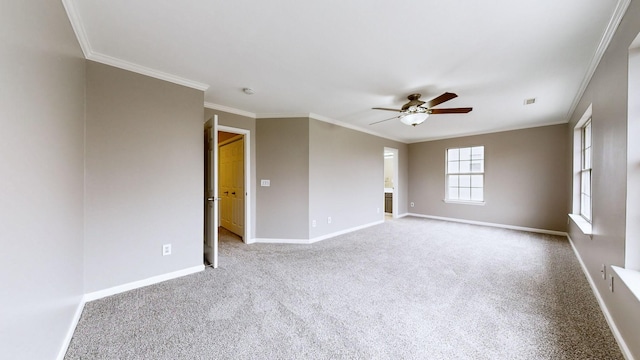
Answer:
(465, 174)
(585, 171)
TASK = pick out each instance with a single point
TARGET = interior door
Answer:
(232, 185)
(211, 192)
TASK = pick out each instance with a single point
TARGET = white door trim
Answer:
(247, 177)
(396, 183)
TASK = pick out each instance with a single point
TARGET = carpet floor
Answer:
(407, 289)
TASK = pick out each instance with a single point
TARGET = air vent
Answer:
(530, 101)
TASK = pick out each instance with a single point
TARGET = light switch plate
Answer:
(265, 182)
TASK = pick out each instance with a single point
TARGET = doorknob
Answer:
(226, 193)
(233, 193)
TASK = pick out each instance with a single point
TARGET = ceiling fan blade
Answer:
(396, 110)
(440, 99)
(451, 110)
(377, 122)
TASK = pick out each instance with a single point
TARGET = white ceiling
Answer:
(336, 59)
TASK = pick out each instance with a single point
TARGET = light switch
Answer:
(264, 182)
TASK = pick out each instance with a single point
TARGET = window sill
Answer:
(481, 203)
(631, 278)
(583, 224)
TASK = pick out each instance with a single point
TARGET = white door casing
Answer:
(211, 193)
(231, 186)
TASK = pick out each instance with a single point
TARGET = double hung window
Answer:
(465, 174)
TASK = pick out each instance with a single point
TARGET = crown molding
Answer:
(486, 132)
(76, 25)
(210, 105)
(281, 115)
(614, 22)
(126, 65)
(90, 54)
(353, 127)
(327, 120)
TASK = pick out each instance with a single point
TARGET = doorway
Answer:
(234, 146)
(231, 181)
(390, 183)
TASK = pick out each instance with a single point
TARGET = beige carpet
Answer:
(406, 289)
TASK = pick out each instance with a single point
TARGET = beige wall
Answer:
(144, 177)
(608, 93)
(525, 177)
(282, 149)
(346, 178)
(42, 77)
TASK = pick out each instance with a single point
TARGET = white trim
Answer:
(126, 65)
(607, 36)
(282, 115)
(78, 28)
(486, 132)
(353, 127)
(72, 328)
(462, 202)
(280, 241)
(90, 54)
(212, 106)
(346, 231)
(316, 239)
(603, 307)
(503, 226)
(582, 224)
(141, 283)
(327, 120)
(631, 278)
(396, 183)
(247, 177)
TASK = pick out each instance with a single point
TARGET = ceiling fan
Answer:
(416, 111)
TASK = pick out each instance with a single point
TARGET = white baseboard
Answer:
(315, 239)
(279, 241)
(141, 283)
(346, 231)
(603, 307)
(72, 328)
(511, 227)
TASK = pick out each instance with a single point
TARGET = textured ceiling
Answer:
(337, 59)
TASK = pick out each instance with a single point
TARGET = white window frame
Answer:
(456, 170)
(586, 167)
(578, 219)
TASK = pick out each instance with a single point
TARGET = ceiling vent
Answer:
(530, 101)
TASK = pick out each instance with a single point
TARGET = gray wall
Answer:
(42, 72)
(282, 149)
(525, 178)
(607, 92)
(245, 123)
(346, 177)
(144, 177)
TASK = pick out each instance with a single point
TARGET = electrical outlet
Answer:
(265, 182)
(166, 249)
(611, 283)
(313, 223)
(412, 204)
(329, 220)
(604, 271)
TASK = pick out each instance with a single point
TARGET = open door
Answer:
(211, 192)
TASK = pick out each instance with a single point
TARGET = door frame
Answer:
(395, 164)
(211, 198)
(247, 176)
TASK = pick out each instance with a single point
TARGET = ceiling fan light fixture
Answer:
(414, 118)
